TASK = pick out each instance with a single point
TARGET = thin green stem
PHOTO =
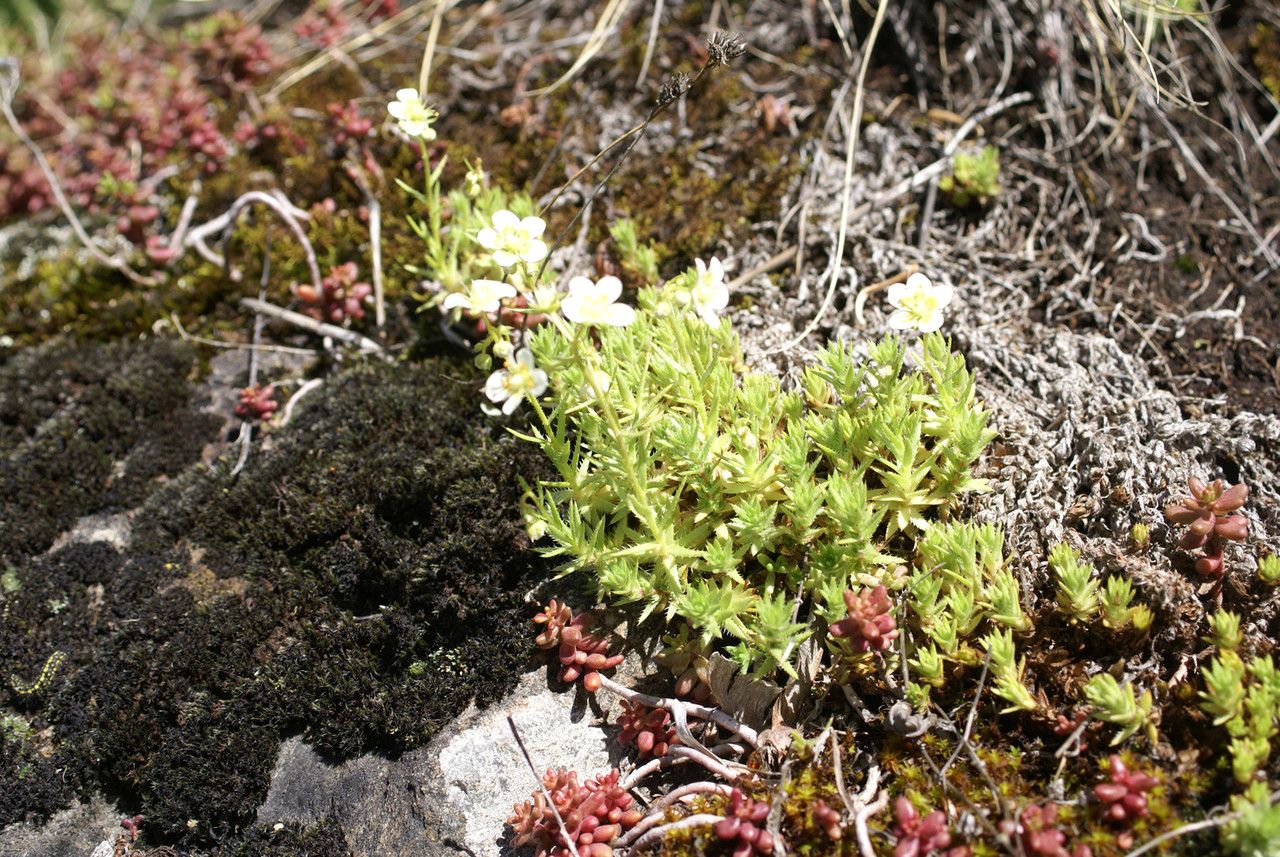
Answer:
(639, 491)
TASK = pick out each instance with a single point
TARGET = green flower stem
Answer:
(640, 495)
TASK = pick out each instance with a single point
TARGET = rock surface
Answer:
(451, 796)
(74, 831)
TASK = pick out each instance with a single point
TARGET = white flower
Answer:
(484, 296)
(545, 299)
(918, 304)
(503, 349)
(413, 117)
(595, 303)
(709, 293)
(521, 378)
(512, 239)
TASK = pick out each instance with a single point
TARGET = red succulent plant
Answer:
(257, 403)
(1038, 834)
(582, 654)
(869, 625)
(743, 825)
(919, 836)
(341, 296)
(650, 729)
(828, 819)
(1124, 796)
(1210, 519)
(595, 813)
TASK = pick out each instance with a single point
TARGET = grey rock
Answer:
(453, 795)
(77, 830)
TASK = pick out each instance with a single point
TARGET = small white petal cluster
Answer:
(519, 379)
(596, 303)
(513, 239)
(709, 294)
(484, 296)
(412, 115)
(918, 304)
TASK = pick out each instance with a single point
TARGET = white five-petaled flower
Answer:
(513, 239)
(596, 303)
(412, 115)
(544, 299)
(918, 304)
(709, 294)
(484, 296)
(521, 378)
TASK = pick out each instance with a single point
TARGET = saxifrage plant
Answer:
(707, 492)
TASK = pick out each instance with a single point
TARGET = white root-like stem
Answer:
(297, 319)
(287, 415)
(860, 830)
(711, 763)
(659, 807)
(655, 835)
(670, 761)
(222, 225)
(702, 712)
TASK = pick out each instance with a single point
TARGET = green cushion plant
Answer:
(707, 492)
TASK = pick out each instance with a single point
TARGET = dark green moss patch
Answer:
(359, 584)
(89, 429)
(323, 840)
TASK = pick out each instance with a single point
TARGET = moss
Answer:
(312, 595)
(1266, 57)
(324, 839)
(87, 430)
(687, 211)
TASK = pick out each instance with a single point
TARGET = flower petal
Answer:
(536, 252)
(901, 320)
(581, 287)
(407, 94)
(495, 387)
(505, 258)
(509, 407)
(503, 219)
(717, 269)
(619, 315)
(571, 308)
(396, 109)
(454, 299)
(932, 323)
(533, 226)
(525, 358)
(898, 292)
(610, 287)
(918, 280)
(539, 383)
(719, 298)
(487, 238)
(943, 293)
